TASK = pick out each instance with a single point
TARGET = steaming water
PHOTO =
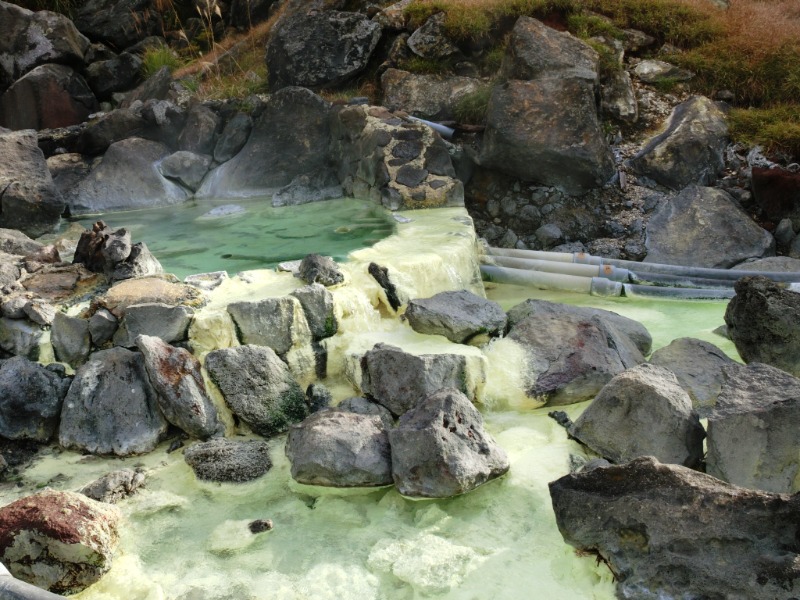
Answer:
(225, 235)
(185, 539)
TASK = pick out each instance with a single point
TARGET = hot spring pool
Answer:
(240, 234)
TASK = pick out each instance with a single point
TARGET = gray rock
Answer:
(763, 321)
(399, 381)
(704, 227)
(305, 189)
(110, 127)
(652, 524)
(155, 87)
(117, 246)
(30, 400)
(655, 71)
(433, 97)
(48, 97)
(319, 49)
(364, 406)
(618, 98)
(185, 167)
(320, 269)
(170, 323)
(71, 340)
(783, 264)
(258, 387)
(111, 407)
(318, 397)
(440, 448)
(119, 24)
(140, 263)
(30, 201)
(127, 178)
(462, 317)
(410, 176)
(198, 136)
(633, 330)
(40, 312)
(690, 150)
(117, 74)
(430, 40)
(102, 326)
(12, 306)
(340, 449)
(317, 303)
(753, 439)
(20, 338)
(68, 170)
(289, 138)
(784, 232)
(229, 461)
(535, 50)
(16, 242)
(115, 486)
(233, 137)
(642, 412)
(176, 375)
(698, 367)
(547, 131)
(278, 323)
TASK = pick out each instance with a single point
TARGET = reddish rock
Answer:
(777, 192)
(59, 541)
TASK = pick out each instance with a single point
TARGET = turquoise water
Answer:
(186, 241)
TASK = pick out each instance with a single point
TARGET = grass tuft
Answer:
(776, 129)
(472, 107)
(157, 57)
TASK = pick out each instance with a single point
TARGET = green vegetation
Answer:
(157, 57)
(472, 107)
(777, 129)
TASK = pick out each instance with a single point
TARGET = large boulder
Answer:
(340, 449)
(257, 387)
(433, 97)
(753, 439)
(462, 317)
(320, 49)
(690, 150)
(29, 39)
(653, 525)
(119, 24)
(547, 131)
(440, 448)
(117, 74)
(233, 137)
(30, 400)
(29, 200)
(698, 367)
(430, 40)
(230, 461)
(777, 192)
(127, 178)
(289, 138)
(642, 412)
(48, 97)
(164, 321)
(763, 320)
(199, 133)
(182, 397)
(317, 303)
(399, 380)
(187, 168)
(278, 323)
(111, 407)
(59, 541)
(704, 227)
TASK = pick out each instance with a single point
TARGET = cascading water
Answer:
(186, 539)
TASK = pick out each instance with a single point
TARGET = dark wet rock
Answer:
(199, 134)
(320, 49)
(100, 247)
(107, 129)
(704, 227)
(777, 192)
(177, 378)
(233, 137)
(111, 407)
(258, 387)
(102, 326)
(29, 201)
(431, 41)
(320, 269)
(229, 461)
(244, 14)
(155, 87)
(365, 406)
(340, 449)
(185, 167)
(114, 75)
(752, 435)
(318, 397)
(30, 400)
(653, 524)
(642, 412)
(440, 448)
(381, 275)
(656, 71)
(59, 541)
(547, 131)
(317, 303)
(164, 321)
(571, 355)
(433, 97)
(399, 380)
(115, 486)
(119, 24)
(47, 97)
(698, 367)
(70, 338)
(410, 176)
(690, 150)
(535, 50)
(278, 323)
(763, 320)
(260, 525)
(462, 317)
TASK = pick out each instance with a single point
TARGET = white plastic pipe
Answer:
(608, 271)
(552, 281)
(443, 130)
